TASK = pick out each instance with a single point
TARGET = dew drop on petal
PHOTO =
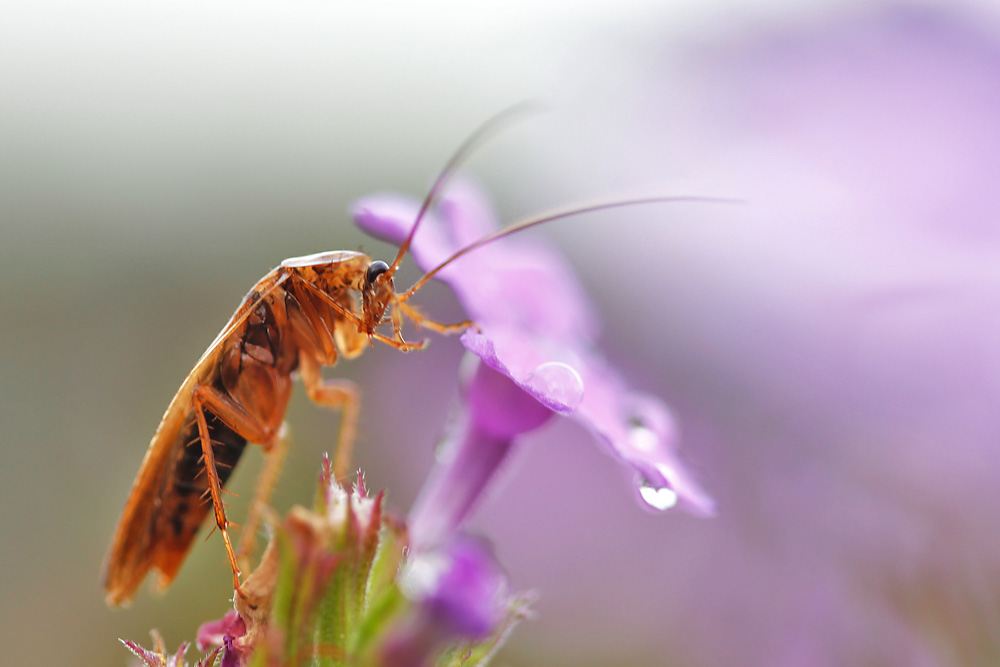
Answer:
(659, 498)
(557, 383)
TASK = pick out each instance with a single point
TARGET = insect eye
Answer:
(375, 269)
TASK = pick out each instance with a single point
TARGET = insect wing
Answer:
(160, 520)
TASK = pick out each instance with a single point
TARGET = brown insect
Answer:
(302, 315)
(306, 313)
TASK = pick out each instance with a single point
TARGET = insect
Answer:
(302, 315)
(307, 313)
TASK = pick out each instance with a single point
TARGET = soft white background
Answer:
(158, 158)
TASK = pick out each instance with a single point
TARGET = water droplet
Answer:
(659, 498)
(558, 383)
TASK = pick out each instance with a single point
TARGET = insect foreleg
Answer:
(402, 346)
(421, 321)
(337, 394)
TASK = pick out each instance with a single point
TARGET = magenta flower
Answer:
(534, 342)
(225, 633)
(461, 587)
(460, 594)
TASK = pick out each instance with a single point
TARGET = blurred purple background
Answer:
(829, 346)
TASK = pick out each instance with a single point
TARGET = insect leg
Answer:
(215, 488)
(206, 399)
(341, 394)
(266, 481)
(421, 321)
(402, 346)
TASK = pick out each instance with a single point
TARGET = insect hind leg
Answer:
(206, 399)
(266, 481)
(215, 487)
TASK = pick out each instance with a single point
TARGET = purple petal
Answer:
(502, 409)
(547, 378)
(498, 411)
(507, 281)
(640, 432)
(385, 216)
(459, 593)
(455, 486)
(467, 212)
(637, 430)
(390, 217)
(512, 281)
(231, 655)
(535, 330)
(212, 633)
(525, 285)
(460, 588)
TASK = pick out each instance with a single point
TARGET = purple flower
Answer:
(460, 594)
(225, 633)
(460, 587)
(534, 339)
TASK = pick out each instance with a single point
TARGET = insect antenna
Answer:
(527, 223)
(474, 140)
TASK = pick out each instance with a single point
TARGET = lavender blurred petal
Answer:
(508, 281)
(536, 330)
(459, 594)
(457, 483)
(637, 430)
(390, 217)
(460, 586)
(385, 216)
